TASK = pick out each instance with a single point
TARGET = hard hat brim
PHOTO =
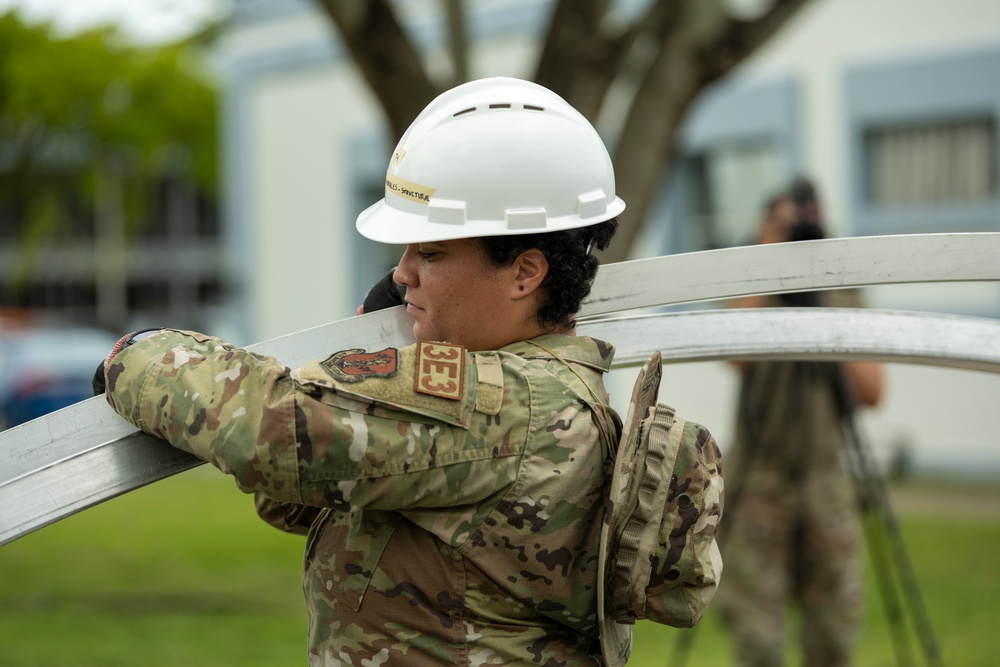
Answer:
(387, 223)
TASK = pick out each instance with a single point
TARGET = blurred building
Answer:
(108, 202)
(65, 301)
(91, 272)
(305, 150)
(108, 205)
(891, 107)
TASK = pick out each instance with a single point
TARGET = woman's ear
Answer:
(531, 267)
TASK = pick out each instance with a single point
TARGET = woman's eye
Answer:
(427, 255)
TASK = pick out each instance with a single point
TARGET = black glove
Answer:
(384, 294)
(99, 383)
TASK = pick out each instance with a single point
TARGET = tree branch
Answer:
(386, 57)
(737, 38)
(578, 61)
(698, 44)
(458, 43)
(667, 57)
(670, 85)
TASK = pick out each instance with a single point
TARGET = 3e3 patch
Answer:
(440, 370)
(357, 365)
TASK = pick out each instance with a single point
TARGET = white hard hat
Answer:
(494, 157)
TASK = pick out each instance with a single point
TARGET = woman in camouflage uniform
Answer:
(451, 490)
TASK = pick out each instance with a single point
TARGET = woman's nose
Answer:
(404, 274)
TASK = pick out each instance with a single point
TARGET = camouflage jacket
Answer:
(457, 497)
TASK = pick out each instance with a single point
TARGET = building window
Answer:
(147, 295)
(730, 184)
(932, 163)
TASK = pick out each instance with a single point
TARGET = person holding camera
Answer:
(794, 531)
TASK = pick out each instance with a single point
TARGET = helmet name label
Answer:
(404, 188)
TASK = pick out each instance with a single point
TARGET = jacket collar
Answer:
(591, 352)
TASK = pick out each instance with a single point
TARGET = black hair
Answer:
(802, 192)
(572, 266)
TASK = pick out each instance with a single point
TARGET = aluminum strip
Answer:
(45, 495)
(82, 433)
(792, 267)
(85, 454)
(828, 334)
(87, 478)
(92, 422)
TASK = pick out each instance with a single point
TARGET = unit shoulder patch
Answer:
(440, 370)
(356, 365)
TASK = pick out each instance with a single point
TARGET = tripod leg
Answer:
(877, 499)
(887, 588)
(682, 649)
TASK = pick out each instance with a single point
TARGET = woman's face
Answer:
(778, 222)
(455, 295)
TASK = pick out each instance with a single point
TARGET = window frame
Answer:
(941, 89)
(731, 112)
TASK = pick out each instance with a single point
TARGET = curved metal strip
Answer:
(92, 422)
(828, 334)
(38, 497)
(82, 455)
(69, 485)
(793, 267)
(715, 274)
(78, 457)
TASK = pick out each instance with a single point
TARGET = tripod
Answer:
(885, 544)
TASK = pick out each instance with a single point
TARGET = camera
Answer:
(805, 230)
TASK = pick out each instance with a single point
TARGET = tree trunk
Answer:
(656, 67)
(386, 57)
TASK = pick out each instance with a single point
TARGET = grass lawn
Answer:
(183, 573)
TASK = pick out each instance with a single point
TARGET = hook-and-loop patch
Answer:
(440, 370)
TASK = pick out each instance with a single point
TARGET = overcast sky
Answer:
(145, 21)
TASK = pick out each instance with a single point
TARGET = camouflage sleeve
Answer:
(298, 444)
(229, 407)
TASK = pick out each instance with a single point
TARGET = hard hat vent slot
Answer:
(498, 105)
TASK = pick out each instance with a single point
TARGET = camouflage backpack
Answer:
(659, 559)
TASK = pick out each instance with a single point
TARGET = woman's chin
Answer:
(420, 332)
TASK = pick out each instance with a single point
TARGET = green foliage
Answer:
(76, 110)
(178, 573)
(183, 573)
(951, 533)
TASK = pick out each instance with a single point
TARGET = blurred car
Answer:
(43, 369)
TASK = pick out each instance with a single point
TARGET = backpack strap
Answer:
(644, 511)
(603, 414)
